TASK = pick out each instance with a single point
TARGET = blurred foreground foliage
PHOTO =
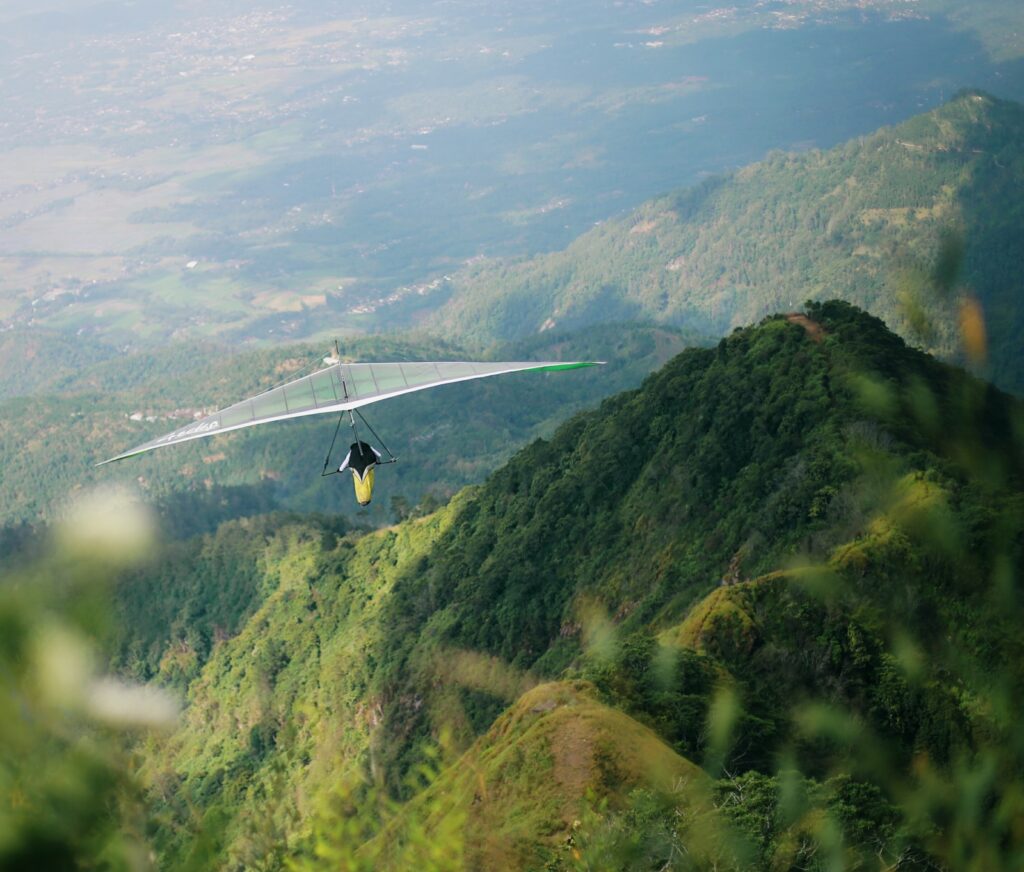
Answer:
(785, 635)
(67, 799)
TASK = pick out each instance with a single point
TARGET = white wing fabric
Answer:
(338, 388)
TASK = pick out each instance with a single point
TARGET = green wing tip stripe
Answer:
(559, 367)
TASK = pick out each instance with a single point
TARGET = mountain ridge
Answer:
(768, 449)
(848, 222)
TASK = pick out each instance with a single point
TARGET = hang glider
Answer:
(339, 388)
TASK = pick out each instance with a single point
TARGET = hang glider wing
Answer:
(338, 388)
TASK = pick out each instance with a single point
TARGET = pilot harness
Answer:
(358, 442)
(355, 433)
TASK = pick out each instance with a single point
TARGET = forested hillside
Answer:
(802, 545)
(857, 221)
(35, 360)
(50, 442)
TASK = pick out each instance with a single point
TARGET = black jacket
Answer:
(361, 456)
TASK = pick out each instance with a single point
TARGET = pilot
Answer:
(361, 459)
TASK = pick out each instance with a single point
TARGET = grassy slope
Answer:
(795, 226)
(299, 705)
(740, 457)
(555, 745)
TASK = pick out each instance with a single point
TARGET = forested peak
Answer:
(825, 328)
(928, 403)
(745, 531)
(972, 119)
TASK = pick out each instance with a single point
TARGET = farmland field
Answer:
(286, 170)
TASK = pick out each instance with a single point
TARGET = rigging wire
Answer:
(330, 450)
(375, 436)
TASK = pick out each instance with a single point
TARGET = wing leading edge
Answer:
(338, 388)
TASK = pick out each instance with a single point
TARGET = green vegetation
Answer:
(850, 222)
(34, 361)
(762, 612)
(564, 564)
(67, 797)
(195, 592)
